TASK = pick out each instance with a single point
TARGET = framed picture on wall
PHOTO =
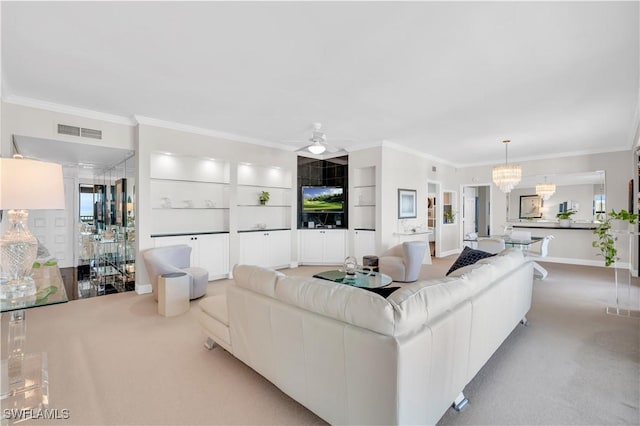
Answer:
(530, 207)
(407, 208)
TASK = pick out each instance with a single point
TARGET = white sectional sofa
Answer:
(354, 357)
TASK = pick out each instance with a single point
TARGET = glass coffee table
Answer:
(360, 279)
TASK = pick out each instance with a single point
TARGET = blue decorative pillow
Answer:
(468, 256)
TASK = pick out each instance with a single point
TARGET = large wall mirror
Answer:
(583, 192)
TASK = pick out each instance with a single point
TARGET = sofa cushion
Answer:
(338, 301)
(468, 256)
(422, 301)
(255, 278)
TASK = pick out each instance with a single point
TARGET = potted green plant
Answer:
(564, 218)
(605, 233)
(264, 197)
(449, 217)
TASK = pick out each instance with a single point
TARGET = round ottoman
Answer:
(199, 283)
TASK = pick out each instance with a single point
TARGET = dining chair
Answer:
(491, 245)
(544, 250)
(471, 240)
(521, 235)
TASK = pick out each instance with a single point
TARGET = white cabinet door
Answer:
(364, 244)
(278, 248)
(270, 249)
(311, 246)
(252, 248)
(213, 254)
(323, 246)
(334, 246)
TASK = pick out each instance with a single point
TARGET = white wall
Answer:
(407, 170)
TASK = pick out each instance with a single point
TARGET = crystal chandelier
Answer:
(545, 190)
(506, 176)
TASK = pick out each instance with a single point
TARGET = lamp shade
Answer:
(30, 185)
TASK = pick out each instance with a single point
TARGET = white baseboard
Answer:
(143, 288)
(450, 252)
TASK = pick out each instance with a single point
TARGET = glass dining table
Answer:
(509, 242)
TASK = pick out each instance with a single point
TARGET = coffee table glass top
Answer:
(360, 279)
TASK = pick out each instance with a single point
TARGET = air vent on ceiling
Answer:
(91, 133)
(65, 129)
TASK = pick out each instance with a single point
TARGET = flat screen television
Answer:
(322, 199)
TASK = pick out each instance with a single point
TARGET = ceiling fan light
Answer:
(316, 148)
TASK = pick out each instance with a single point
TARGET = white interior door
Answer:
(470, 209)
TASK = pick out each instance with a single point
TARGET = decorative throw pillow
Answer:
(382, 291)
(468, 256)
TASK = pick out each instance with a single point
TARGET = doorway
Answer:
(476, 209)
(433, 222)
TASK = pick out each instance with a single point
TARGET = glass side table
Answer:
(24, 380)
(618, 310)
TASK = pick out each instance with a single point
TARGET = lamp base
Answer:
(18, 250)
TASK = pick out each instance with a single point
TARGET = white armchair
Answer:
(403, 261)
(164, 260)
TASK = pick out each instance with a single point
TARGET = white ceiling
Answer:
(450, 80)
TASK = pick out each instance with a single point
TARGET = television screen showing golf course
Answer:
(322, 199)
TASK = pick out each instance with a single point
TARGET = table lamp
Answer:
(24, 185)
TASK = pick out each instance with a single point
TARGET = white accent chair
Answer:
(403, 261)
(177, 258)
(544, 250)
(491, 245)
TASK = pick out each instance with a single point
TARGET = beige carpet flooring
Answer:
(113, 360)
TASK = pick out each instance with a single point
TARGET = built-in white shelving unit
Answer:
(275, 213)
(364, 195)
(189, 194)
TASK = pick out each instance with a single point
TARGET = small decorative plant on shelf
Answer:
(605, 233)
(564, 218)
(264, 197)
(449, 217)
(566, 214)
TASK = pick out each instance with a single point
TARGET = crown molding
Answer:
(149, 121)
(549, 156)
(66, 109)
(417, 153)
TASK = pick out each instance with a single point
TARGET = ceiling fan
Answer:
(318, 141)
